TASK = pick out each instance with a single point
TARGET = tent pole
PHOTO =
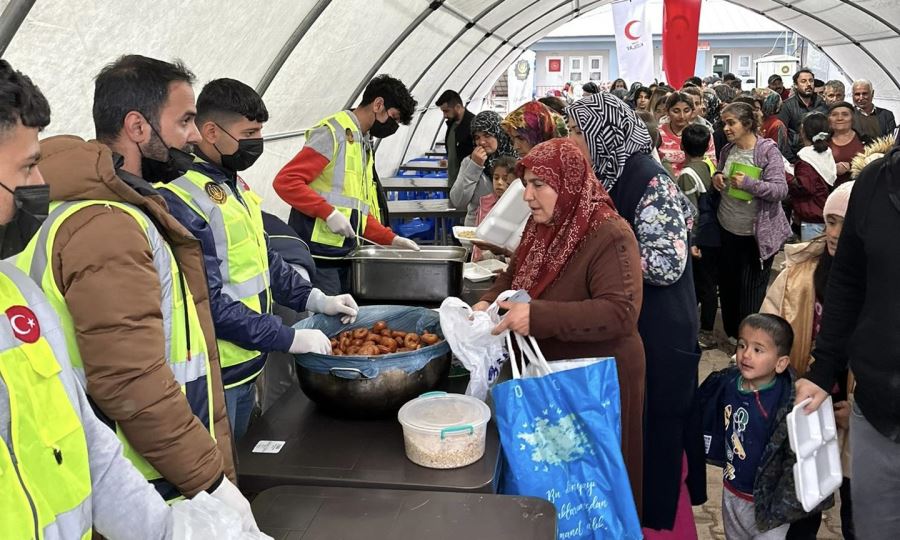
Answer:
(11, 19)
(289, 46)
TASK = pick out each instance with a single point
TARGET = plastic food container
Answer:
(476, 273)
(444, 431)
(813, 438)
(505, 222)
(465, 235)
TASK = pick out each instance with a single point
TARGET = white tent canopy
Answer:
(310, 58)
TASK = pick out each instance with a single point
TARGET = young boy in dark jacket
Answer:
(745, 431)
(695, 181)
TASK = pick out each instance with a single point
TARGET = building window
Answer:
(576, 68)
(554, 64)
(595, 68)
(744, 65)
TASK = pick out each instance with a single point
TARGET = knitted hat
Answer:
(836, 204)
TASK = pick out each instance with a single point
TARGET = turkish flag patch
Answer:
(24, 324)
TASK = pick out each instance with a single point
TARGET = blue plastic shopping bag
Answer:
(560, 434)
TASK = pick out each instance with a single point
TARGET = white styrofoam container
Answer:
(459, 233)
(476, 273)
(813, 438)
(505, 222)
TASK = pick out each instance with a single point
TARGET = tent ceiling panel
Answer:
(63, 44)
(260, 176)
(421, 47)
(862, 67)
(319, 76)
(515, 8)
(469, 8)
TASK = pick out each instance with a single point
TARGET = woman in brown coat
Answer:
(580, 264)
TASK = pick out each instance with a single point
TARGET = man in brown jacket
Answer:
(119, 297)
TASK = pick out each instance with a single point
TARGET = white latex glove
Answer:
(229, 494)
(342, 304)
(405, 243)
(204, 517)
(310, 341)
(339, 224)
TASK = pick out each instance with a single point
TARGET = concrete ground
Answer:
(709, 515)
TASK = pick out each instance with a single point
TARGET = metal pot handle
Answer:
(353, 373)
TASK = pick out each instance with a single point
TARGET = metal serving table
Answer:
(329, 513)
(436, 208)
(321, 450)
(399, 183)
(422, 166)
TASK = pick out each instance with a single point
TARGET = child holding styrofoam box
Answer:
(504, 174)
(745, 431)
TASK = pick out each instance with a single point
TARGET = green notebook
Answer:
(748, 170)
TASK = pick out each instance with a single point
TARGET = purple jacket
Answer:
(771, 227)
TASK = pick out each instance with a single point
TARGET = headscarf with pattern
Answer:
(582, 206)
(771, 104)
(489, 122)
(535, 123)
(613, 134)
(712, 105)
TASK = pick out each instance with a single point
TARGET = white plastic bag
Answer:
(537, 365)
(204, 517)
(469, 335)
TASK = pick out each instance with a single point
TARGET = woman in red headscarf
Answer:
(579, 262)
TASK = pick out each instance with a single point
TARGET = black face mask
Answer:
(246, 155)
(176, 164)
(384, 129)
(32, 206)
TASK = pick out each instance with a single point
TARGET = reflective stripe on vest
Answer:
(347, 185)
(188, 362)
(240, 242)
(45, 482)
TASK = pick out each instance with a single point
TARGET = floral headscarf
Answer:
(582, 206)
(489, 122)
(712, 106)
(613, 134)
(535, 123)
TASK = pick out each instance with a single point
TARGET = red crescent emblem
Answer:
(628, 33)
(24, 324)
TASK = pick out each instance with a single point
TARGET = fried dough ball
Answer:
(430, 339)
(411, 340)
(360, 333)
(379, 326)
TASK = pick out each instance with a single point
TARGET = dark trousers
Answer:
(743, 279)
(706, 285)
(331, 278)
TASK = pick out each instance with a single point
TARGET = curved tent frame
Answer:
(310, 58)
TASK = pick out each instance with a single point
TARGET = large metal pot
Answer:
(347, 391)
(366, 387)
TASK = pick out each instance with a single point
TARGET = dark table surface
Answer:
(327, 451)
(329, 513)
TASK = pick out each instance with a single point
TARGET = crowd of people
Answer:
(140, 300)
(712, 182)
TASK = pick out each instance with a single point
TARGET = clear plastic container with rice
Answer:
(444, 431)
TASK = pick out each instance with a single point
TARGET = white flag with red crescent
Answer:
(634, 42)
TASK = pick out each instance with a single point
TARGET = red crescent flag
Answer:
(681, 29)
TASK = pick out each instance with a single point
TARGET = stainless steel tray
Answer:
(429, 275)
